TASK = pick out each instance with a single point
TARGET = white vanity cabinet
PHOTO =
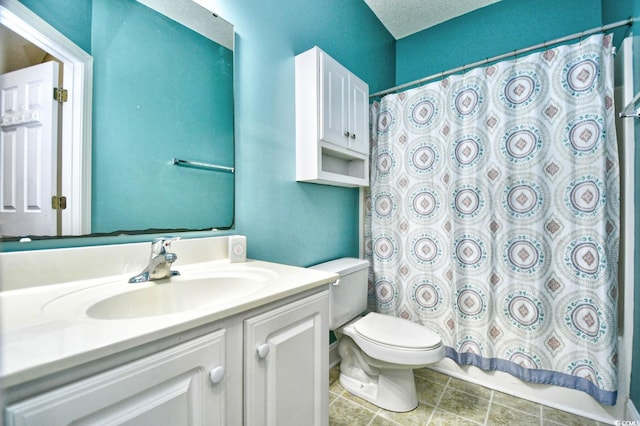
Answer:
(286, 364)
(332, 122)
(266, 365)
(183, 385)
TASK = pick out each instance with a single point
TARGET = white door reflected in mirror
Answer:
(28, 150)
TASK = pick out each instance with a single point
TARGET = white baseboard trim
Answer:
(334, 356)
(631, 413)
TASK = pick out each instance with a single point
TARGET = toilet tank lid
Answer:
(343, 266)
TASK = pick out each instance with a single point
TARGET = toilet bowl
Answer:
(378, 352)
(378, 355)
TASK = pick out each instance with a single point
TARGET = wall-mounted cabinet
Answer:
(332, 122)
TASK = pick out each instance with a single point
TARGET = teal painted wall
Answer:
(286, 221)
(493, 30)
(71, 17)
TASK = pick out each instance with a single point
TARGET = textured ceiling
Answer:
(405, 17)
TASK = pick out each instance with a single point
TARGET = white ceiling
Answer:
(405, 17)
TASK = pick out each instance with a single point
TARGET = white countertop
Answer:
(35, 344)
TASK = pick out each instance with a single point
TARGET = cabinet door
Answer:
(286, 364)
(172, 387)
(358, 115)
(334, 117)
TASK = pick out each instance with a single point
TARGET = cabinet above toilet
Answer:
(332, 122)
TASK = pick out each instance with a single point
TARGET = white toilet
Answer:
(378, 352)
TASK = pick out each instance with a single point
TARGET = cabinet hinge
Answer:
(60, 94)
(58, 203)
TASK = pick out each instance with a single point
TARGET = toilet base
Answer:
(392, 390)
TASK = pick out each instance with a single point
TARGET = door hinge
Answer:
(60, 94)
(58, 203)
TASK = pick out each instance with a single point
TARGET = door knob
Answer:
(263, 350)
(346, 133)
(216, 375)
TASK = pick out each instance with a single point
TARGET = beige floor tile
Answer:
(334, 381)
(471, 407)
(428, 391)
(347, 413)
(445, 418)
(432, 375)
(336, 388)
(517, 403)
(381, 421)
(551, 416)
(419, 416)
(357, 400)
(334, 375)
(500, 416)
(470, 388)
(446, 401)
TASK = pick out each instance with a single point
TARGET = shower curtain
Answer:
(493, 215)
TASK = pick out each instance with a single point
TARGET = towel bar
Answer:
(208, 166)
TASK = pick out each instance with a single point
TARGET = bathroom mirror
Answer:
(162, 149)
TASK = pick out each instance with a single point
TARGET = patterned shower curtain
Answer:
(493, 215)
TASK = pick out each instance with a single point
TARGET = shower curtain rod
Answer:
(505, 55)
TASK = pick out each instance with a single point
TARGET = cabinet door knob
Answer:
(353, 135)
(216, 375)
(346, 133)
(263, 350)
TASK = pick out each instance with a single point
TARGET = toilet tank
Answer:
(348, 296)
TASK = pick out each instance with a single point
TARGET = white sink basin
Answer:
(192, 290)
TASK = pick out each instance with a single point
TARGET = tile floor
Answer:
(445, 400)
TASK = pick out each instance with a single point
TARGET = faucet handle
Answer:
(160, 245)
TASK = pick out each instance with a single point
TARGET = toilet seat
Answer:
(395, 340)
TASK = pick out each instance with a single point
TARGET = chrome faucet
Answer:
(160, 261)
